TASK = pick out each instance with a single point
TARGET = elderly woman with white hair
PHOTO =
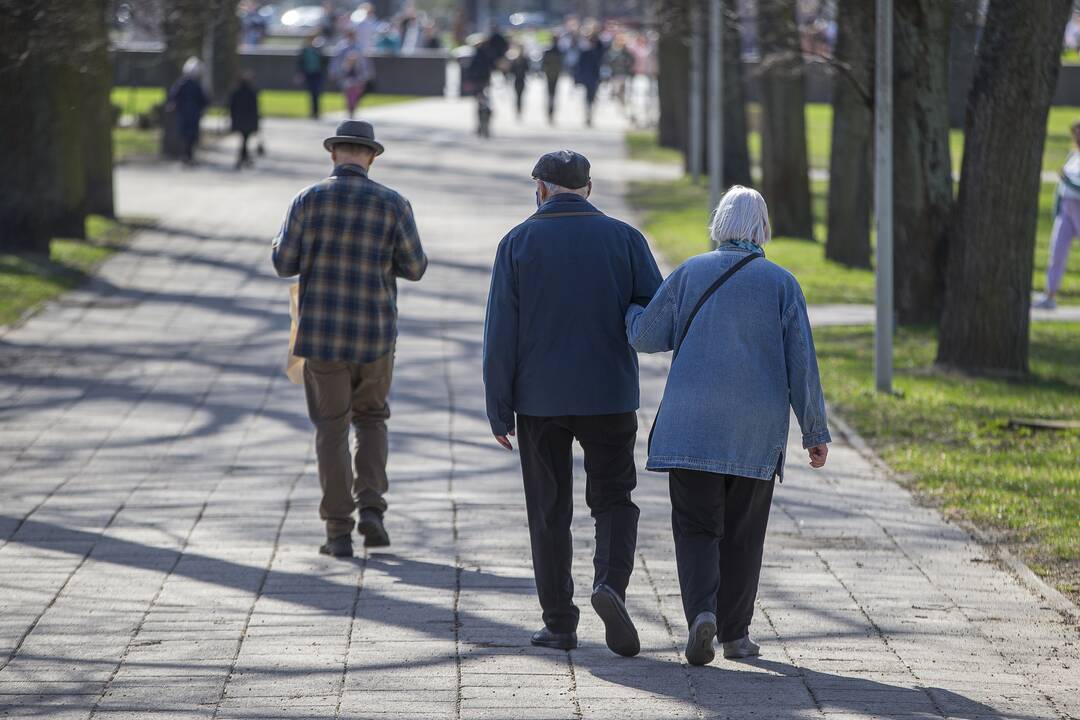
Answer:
(743, 354)
(188, 100)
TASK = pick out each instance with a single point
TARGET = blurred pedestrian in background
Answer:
(477, 77)
(188, 101)
(587, 73)
(552, 65)
(244, 114)
(311, 70)
(1066, 224)
(621, 63)
(365, 24)
(354, 74)
(519, 72)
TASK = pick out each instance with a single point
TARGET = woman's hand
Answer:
(818, 453)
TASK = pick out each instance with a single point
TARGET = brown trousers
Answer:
(340, 393)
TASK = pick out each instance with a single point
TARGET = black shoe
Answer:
(340, 546)
(699, 646)
(372, 528)
(621, 635)
(559, 641)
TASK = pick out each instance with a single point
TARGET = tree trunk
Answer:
(673, 53)
(183, 26)
(922, 168)
(223, 31)
(736, 153)
(66, 128)
(24, 186)
(985, 322)
(785, 178)
(98, 121)
(963, 40)
(736, 156)
(851, 171)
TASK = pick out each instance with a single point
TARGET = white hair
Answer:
(554, 189)
(741, 215)
(193, 67)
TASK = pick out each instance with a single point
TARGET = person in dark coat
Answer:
(477, 77)
(311, 69)
(552, 65)
(519, 71)
(589, 64)
(188, 101)
(558, 368)
(244, 113)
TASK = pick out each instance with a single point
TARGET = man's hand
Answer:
(504, 440)
(818, 453)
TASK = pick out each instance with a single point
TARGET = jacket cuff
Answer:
(809, 440)
(498, 427)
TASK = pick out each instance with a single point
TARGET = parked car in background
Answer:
(299, 21)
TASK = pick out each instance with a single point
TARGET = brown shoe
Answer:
(340, 546)
(372, 528)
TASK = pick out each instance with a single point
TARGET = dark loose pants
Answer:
(719, 524)
(547, 468)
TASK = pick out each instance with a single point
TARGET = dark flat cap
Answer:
(565, 168)
(355, 132)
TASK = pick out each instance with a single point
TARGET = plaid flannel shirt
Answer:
(349, 239)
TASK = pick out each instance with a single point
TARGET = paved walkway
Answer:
(158, 501)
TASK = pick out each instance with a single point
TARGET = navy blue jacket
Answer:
(554, 339)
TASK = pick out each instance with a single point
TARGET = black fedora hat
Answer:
(355, 132)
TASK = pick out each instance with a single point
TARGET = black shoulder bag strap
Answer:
(689, 320)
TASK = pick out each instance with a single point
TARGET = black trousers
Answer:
(552, 86)
(547, 468)
(719, 524)
(244, 155)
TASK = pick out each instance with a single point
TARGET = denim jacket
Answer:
(748, 355)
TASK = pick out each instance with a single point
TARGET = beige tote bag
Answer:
(294, 366)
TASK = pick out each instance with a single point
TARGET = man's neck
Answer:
(561, 197)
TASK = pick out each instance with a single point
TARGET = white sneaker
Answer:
(1044, 302)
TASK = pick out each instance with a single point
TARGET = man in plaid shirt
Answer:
(349, 239)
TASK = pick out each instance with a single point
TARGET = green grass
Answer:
(28, 280)
(129, 142)
(675, 215)
(642, 145)
(949, 436)
(819, 136)
(272, 103)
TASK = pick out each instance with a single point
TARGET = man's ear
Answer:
(333, 155)
(588, 189)
(541, 190)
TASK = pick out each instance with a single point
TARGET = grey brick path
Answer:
(158, 502)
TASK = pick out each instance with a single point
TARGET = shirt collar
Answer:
(349, 169)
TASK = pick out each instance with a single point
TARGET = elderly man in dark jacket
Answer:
(556, 355)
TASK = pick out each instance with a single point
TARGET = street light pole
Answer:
(696, 91)
(883, 196)
(716, 109)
